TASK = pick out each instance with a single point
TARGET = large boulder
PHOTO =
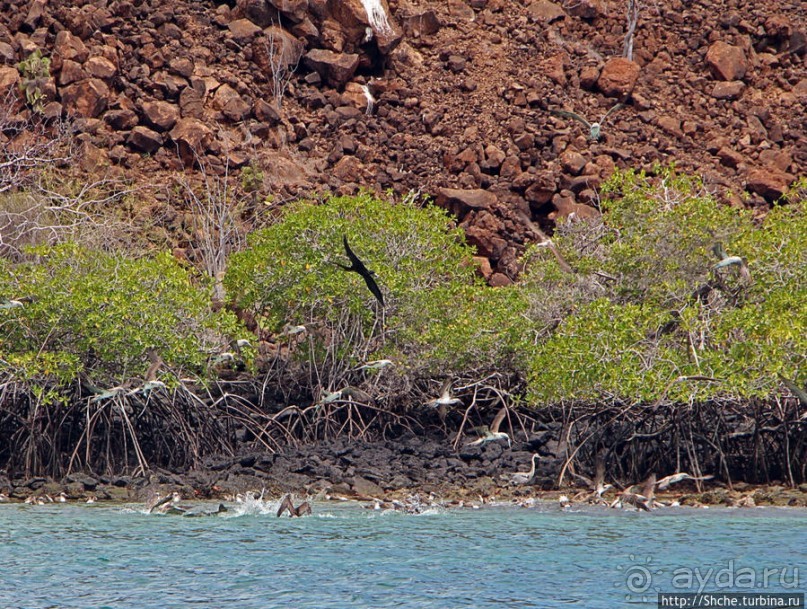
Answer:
(243, 30)
(618, 77)
(294, 9)
(144, 139)
(726, 62)
(259, 12)
(68, 46)
(460, 202)
(545, 11)
(160, 115)
(770, 183)
(193, 139)
(230, 103)
(87, 98)
(9, 79)
(356, 16)
(335, 68)
(277, 52)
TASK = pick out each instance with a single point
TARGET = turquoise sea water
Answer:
(348, 557)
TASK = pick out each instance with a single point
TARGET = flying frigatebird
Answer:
(357, 266)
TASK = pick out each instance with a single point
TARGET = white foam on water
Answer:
(253, 506)
(377, 16)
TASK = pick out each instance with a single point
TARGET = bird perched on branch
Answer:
(594, 129)
(727, 261)
(150, 382)
(378, 364)
(348, 393)
(357, 266)
(492, 433)
(286, 505)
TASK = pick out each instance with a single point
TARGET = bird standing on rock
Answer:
(357, 266)
(524, 477)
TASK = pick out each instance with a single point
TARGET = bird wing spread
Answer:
(572, 115)
(358, 266)
(497, 420)
(613, 108)
(285, 504)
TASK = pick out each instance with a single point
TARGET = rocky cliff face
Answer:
(451, 98)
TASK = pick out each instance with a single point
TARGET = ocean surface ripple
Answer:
(348, 557)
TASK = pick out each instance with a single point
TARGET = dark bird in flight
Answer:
(357, 266)
(301, 510)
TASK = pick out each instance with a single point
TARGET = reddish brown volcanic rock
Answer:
(448, 98)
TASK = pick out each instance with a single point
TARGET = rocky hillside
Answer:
(450, 98)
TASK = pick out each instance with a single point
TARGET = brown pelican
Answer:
(597, 486)
(155, 502)
(564, 503)
(286, 504)
(649, 490)
(156, 363)
(643, 501)
(726, 261)
(634, 499)
(593, 128)
(148, 387)
(678, 477)
(524, 477)
(357, 266)
(599, 479)
(492, 433)
(14, 303)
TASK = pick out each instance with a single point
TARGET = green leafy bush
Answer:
(35, 71)
(647, 305)
(99, 313)
(436, 314)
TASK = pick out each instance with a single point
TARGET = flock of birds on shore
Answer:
(641, 497)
